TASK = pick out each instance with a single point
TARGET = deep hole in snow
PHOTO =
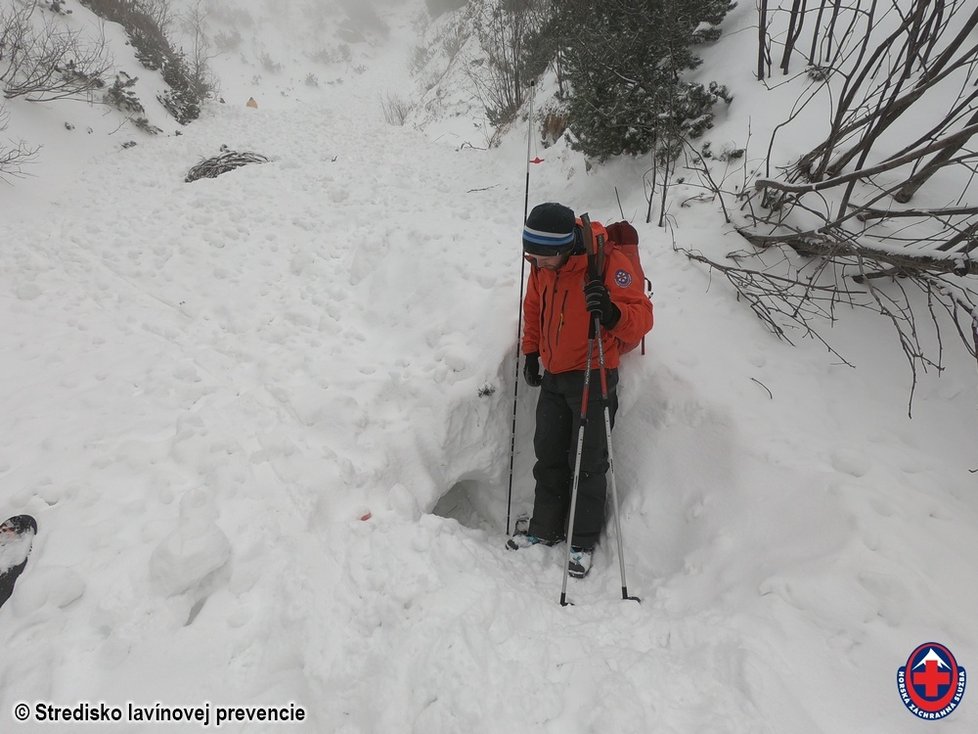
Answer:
(471, 503)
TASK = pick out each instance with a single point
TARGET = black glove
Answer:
(531, 370)
(599, 303)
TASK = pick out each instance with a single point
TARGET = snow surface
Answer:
(14, 550)
(263, 422)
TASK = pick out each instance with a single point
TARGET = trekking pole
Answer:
(519, 319)
(595, 257)
(602, 370)
(585, 399)
(585, 396)
(611, 461)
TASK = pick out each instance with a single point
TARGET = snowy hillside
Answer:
(263, 422)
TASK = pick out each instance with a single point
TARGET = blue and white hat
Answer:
(549, 230)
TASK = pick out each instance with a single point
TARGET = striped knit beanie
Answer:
(549, 230)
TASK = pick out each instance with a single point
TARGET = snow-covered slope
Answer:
(263, 422)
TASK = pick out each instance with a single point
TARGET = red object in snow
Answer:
(538, 159)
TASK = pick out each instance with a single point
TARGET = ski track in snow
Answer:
(212, 383)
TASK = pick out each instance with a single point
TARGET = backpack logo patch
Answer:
(932, 683)
(623, 278)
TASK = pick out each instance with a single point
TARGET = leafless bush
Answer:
(269, 64)
(797, 293)
(902, 85)
(454, 38)
(159, 11)
(43, 61)
(227, 41)
(504, 30)
(877, 83)
(231, 16)
(13, 158)
(553, 126)
(201, 78)
(396, 110)
(420, 58)
(339, 54)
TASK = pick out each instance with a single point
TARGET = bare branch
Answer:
(952, 140)
(827, 244)
(50, 62)
(13, 159)
(867, 213)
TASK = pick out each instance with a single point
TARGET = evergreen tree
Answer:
(625, 63)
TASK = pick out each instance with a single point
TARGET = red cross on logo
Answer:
(931, 678)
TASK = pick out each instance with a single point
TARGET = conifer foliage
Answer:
(141, 19)
(621, 66)
(625, 63)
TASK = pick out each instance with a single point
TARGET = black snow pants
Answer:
(555, 443)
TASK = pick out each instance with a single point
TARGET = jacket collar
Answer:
(575, 263)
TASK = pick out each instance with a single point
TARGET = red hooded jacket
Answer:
(557, 321)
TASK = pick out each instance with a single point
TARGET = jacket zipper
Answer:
(560, 324)
(543, 316)
(547, 327)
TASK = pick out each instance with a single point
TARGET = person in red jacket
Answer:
(561, 301)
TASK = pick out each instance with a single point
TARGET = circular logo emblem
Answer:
(623, 278)
(931, 684)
